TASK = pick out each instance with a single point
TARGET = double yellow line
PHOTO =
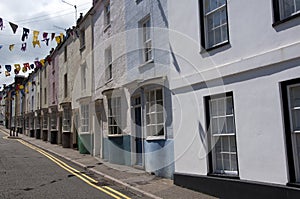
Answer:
(90, 181)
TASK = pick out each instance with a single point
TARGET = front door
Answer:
(138, 131)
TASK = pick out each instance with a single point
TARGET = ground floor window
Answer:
(84, 114)
(45, 121)
(114, 115)
(53, 120)
(67, 119)
(155, 113)
(38, 122)
(27, 123)
(31, 123)
(291, 92)
(222, 134)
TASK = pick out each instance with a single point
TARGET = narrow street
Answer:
(29, 172)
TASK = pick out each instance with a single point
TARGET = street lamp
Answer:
(72, 6)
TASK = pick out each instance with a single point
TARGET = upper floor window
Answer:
(108, 64)
(66, 85)
(107, 14)
(66, 53)
(214, 24)
(82, 39)
(285, 8)
(147, 41)
(83, 77)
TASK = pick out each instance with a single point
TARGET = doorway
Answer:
(138, 138)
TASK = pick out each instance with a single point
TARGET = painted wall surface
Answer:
(251, 66)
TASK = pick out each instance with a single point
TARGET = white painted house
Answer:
(236, 96)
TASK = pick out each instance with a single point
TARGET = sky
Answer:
(52, 16)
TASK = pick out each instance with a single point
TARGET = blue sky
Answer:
(42, 15)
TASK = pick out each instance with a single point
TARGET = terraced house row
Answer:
(205, 92)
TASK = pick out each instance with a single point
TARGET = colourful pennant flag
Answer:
(14, 27)
(11, 47)
(25, 34)
(35, 40)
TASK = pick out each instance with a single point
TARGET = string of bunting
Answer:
(46, 37)
(16, 68)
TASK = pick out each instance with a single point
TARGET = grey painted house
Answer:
(147, 84)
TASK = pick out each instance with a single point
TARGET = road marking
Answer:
(116, 192)
(90, 181)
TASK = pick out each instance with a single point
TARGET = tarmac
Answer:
(131, 178)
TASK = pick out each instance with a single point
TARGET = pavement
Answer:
(128, 177)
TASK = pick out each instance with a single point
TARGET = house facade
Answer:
(44, 101)
(111, 105)
(51, 75)
(147, 85)
(235, 96)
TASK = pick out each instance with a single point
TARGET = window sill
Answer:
(223, 176)
(84, 133)
(153, 138)
(82, 48)
(286, 19)
(108, 81)
(204, 50)
(151, 61)
(107, 27)
(115, 135)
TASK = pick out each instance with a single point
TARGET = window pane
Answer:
(214, 126)
(160, 130)
(226, 162)
(213, 107)
(221, 123)
(159, 94)
(221, 107)
(233, 163)
(232, 144)
(225, 144)
(160, 118)
(230, 124)
(296, 120)
(295, 96)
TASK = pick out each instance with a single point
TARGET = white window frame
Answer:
(152, 112)
(84, 115)
(114, 116)
(108, 64)
(83, 77)
(53, 120)
(208, 32)
(295, 131)
(147, 39)
(107, 16)
(67, 119)
(38, 122)
(283, 14)
(45, 121)
(223, 134)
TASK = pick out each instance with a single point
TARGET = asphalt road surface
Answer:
(28, 172)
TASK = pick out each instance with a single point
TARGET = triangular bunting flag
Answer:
(1, 24)
(8, 68)
(23, 47)
(35, 40)
(11, 47)
(14, 27)
(25, 34)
